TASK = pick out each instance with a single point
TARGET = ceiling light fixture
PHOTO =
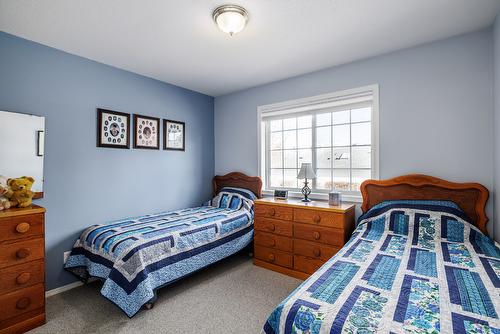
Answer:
(230, 19)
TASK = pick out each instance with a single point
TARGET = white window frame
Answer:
(339, 98)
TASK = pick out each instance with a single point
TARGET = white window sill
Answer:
(354, 198)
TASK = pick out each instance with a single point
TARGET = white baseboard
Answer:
(62, 289)
(67, 287)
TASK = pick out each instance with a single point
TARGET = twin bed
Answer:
(418, 262)
(136, 256)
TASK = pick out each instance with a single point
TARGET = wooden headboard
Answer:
(239, 180)
(470, 197)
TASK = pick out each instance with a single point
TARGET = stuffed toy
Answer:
(4, 201)
(20, 193)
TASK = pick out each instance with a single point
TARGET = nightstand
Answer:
(296, 238)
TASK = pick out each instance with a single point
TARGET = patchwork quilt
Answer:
(410, 267)
(136, 256)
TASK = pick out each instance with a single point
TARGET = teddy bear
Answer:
(20, 193)
(4, 190)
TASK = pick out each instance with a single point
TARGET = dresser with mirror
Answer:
(22, 230)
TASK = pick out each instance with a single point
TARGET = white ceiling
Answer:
(176, 41)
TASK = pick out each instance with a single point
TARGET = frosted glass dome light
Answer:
(230, 19)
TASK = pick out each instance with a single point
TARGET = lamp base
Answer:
(306, 191)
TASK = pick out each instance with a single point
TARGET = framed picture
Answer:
(113, 129)
(146, 132)
(174, 135)
(40, 150)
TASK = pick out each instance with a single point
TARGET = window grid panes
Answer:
(337, 143)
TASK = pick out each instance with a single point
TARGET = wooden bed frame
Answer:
(238, 180)
(470, 197)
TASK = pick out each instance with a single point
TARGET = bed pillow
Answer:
(248, 194)
(229, 200)
(449, 204)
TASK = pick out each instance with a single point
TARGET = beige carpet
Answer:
(232, 296)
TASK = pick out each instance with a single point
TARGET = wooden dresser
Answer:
(296, 238)
(22, 269)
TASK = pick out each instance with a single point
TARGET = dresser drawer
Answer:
(306, 265)
(320, 234)
(21, 276)
(21, 252)
(314, 250)
(273, 211)
(273, 241)
(21, 301)
(274, 226)
(274, 256)
(318, 217)
(21, 227)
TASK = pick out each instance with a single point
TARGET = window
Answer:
(337, 133)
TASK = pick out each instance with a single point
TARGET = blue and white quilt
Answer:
(136, 256)
(410, 267)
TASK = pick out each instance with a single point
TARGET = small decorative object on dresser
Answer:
(334, 198)
(22, 278)
(4, 190)
(296, 238)
(306, 172)
(147, 132)
(19, 191)
(174, 135)
(281, 194)
(113, 129)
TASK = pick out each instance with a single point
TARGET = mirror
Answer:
(22, 147)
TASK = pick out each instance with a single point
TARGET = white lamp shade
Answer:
(306, 171)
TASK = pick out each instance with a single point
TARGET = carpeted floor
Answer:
(232, 296)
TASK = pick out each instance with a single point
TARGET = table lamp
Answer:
(306, 172)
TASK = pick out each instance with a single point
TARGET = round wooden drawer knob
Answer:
(23, 278)
(316, 218)
(272, 243)
(23, 303)
(316, 235)
(23, 227)
(272, 212)
(317, 252)
(271, 257)
(23, 253)
(272, 227)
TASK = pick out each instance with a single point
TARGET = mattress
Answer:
(410, 267)
(136, 256)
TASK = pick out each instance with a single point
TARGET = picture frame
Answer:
(146, 132)
(40, 147)
(281, 194)
(334, 198)
(174, 135)
(113, 129)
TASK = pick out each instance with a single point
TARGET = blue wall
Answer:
(436, 110)
(436, 117)
(85, 185)
(496, 46)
